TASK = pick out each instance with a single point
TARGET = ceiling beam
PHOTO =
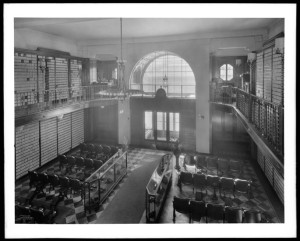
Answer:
(31, 22)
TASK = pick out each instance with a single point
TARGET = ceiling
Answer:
(82, 29)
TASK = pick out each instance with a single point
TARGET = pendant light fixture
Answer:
(121, 62)
(165, 78)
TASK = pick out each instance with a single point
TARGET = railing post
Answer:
(250, 108)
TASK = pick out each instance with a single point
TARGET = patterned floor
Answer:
(71, 210)
(258, 201)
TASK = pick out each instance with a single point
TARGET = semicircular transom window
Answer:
(164, 70)
(226, 72)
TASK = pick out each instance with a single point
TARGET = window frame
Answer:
(154, 126)
(226, 72)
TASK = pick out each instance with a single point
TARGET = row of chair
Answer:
(33, 214)
(199, 209)
(87, 165)
(222, 166)
(66, 184)
(224, 184)
(96, 149)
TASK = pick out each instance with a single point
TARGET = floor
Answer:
(73, 211)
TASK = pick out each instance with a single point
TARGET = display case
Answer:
(158, 187)
(102, 182)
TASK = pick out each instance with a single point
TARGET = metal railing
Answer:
(102, 182)
(267, 117)
(61, 96)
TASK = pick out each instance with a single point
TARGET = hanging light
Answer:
(121, 62)
(165, 78)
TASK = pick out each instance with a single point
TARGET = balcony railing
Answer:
(267, 117)
(58, 97)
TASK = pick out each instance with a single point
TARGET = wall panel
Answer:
(259, 75)
(77, 119)
(27, 148)
(48, 140)
(64, 134)
(268, 73)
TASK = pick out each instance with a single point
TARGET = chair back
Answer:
(21, 210)
(98, 149)
(212, 163)
(181, 205)
(71, 160)
(215, 211)
(212, 181)
(75, 184)
(64, 182)
(223, 165)
(88, 162)
(79, 161)
(97, 164)
(186, 178)
(242, 186)
(235, 165)
(38, 215)
(63, 159)
(33, 177)
(83, 147)
(200, 161)
(252, 216)
(106, 150)
(227, 183)
(43, 178)
(53, 180)
(233, 215)
(113, 150)
(91, 147)
(199, 180)
(197, 210)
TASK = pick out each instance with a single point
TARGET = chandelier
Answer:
(165, 68)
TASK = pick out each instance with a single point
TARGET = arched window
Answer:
(164, 70)
(226, 72)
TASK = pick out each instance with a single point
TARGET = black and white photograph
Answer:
(150, 120)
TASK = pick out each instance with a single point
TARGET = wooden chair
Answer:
(63, 161)
(181, 205)
(71, 163)
(214, 212)
(243, 187)
(64, 186)
(252, 216)
(79, 163)
(233, 215)
(185, 178)
(197, 210)
(76, 186)
(88, 166)
(223, 166)
(201, 163)
(235, 168)
(212, 165)
(226, 185)
(53, 181)
(213, 182)
(200, 182)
